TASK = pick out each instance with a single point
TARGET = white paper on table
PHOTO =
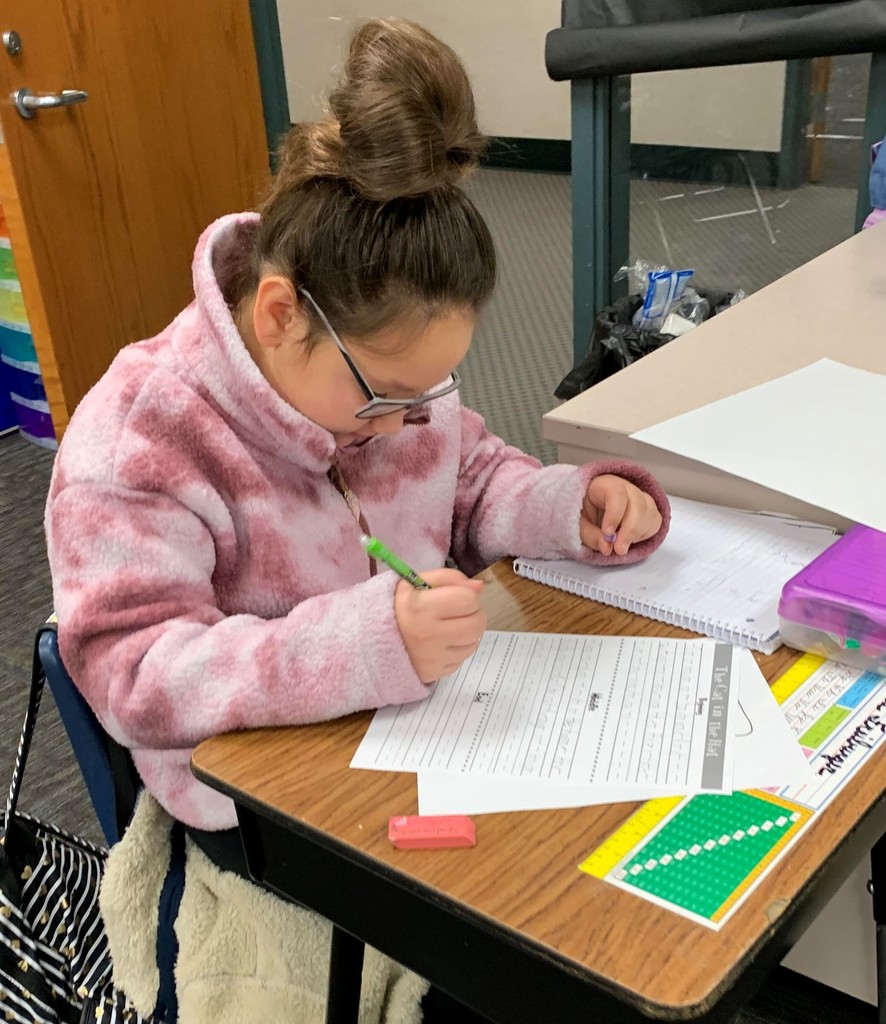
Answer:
(766, 754)
(644, 711)
(788, 519)
(452, 794)
(815, 434)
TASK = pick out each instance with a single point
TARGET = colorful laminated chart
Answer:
(700, 855)
(20, 377)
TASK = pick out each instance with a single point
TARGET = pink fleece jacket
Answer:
(207, 574)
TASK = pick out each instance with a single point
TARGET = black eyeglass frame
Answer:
(375, 405)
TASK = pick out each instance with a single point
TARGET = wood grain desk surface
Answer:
(523, 873)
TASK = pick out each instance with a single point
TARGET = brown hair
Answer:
(365, 210)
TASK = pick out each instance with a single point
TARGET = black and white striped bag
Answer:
(54, 960)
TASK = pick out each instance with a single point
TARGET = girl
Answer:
(206, 507)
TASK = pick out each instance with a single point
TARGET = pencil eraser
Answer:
(431, 832)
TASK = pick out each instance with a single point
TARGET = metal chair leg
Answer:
(345, 978)
(877, 889)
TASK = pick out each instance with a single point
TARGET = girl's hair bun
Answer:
(403, 120)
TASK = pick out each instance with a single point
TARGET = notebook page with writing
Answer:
(720, 572)
(553, 708)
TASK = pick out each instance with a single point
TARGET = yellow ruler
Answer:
(641, 824)
(795, 676)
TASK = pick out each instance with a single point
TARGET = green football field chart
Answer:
(699, 855)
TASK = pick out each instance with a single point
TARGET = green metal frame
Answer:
(794, 120)
(601, 129)
(601, 134)
(874, 129)
(272, 80)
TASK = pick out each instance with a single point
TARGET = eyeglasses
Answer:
(375, 405)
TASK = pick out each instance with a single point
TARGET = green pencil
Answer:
(375, 549)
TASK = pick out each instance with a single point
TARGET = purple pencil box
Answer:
(836, 606)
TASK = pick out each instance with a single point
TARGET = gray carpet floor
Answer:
(522, 349)
(53, 787)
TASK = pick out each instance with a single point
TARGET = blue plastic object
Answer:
(878, 176)
(89, 740)
(112, 783)
(7, 411)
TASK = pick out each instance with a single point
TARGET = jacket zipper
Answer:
(336, 478)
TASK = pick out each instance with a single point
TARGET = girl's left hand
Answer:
(616, 514)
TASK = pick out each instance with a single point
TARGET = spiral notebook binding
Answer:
(717, 630)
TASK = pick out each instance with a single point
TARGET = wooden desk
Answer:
(834, 306)
(511, 927)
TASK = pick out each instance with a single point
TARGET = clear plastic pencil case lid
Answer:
(836, 606)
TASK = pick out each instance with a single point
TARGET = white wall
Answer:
(502, 49)
(502, 45)
(737, 107)
(840, 946)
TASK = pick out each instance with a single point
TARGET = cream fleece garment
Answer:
(244, 954)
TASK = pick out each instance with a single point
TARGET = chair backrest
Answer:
(113, 786)
(107, 768)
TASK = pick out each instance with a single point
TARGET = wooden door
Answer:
(106, 199)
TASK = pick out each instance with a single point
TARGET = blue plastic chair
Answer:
(111, 779)
(113, 784)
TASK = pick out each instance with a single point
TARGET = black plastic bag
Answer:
(55, 963)
(616, 343)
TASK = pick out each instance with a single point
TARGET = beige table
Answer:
(834, 306)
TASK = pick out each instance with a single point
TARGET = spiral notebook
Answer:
(719, 572)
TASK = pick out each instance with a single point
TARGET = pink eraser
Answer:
(432, 832)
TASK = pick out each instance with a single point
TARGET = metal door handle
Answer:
(27, 104)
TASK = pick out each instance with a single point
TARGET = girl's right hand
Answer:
(440, 627)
